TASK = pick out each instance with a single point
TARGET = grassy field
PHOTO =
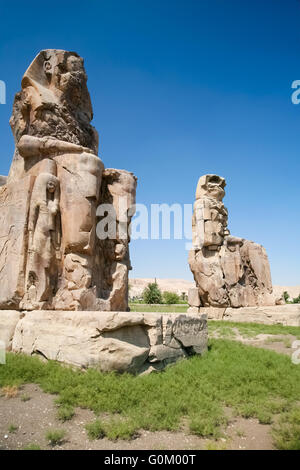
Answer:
(252, 382)
(178, 308)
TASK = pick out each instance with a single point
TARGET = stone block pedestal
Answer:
(109, 341)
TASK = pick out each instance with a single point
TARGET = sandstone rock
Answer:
(165, 353)
(49, 202)
(14, 207)
(228, 271)
(193, 297)
(193, 310)
(8, 323)
(213, 313)
(3, 180)
(109, 341)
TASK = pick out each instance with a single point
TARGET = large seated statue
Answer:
(50, 255)
(229, 271)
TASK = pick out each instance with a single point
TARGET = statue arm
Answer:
(47, 146)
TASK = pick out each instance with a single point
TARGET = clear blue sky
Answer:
(181, 88)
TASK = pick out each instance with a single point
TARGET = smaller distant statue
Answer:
(229, 271)
(44, 240)
(210, 214)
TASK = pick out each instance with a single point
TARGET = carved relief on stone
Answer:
(44, 239)
(229, 271)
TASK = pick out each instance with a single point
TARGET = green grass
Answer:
(12, 428)
(25, 397)
(118, 428)
(55, 436)
(114, 428)
(65, 413)
(95, 430)
(287, 432)
(253, 382)
(32, 447)
(163, 308)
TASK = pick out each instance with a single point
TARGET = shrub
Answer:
(152, 294)
(171, 298)
(296, 300)
(286, 296)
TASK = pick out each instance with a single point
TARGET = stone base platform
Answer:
(109, 341)
(287, 315)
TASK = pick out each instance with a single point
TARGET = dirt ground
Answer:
(34, 417)
(279, 343)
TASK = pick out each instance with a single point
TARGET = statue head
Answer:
(211, 186)
(60, 76)
(51, 186)
(45, 184)
(55, 101)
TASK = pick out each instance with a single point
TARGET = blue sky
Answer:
(180, 89)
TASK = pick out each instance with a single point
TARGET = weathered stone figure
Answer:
(58, 262)
(44, 239)
(229, 271)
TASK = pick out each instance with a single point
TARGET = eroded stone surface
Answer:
(120, 341)
(49, 203)
(228, 271)
(14, 208)
(8, 323)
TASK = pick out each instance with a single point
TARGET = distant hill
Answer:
(172, 285)
(181, 285)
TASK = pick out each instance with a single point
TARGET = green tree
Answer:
(296, 300)
(286, 296)
(170, 298)
(152, 294)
